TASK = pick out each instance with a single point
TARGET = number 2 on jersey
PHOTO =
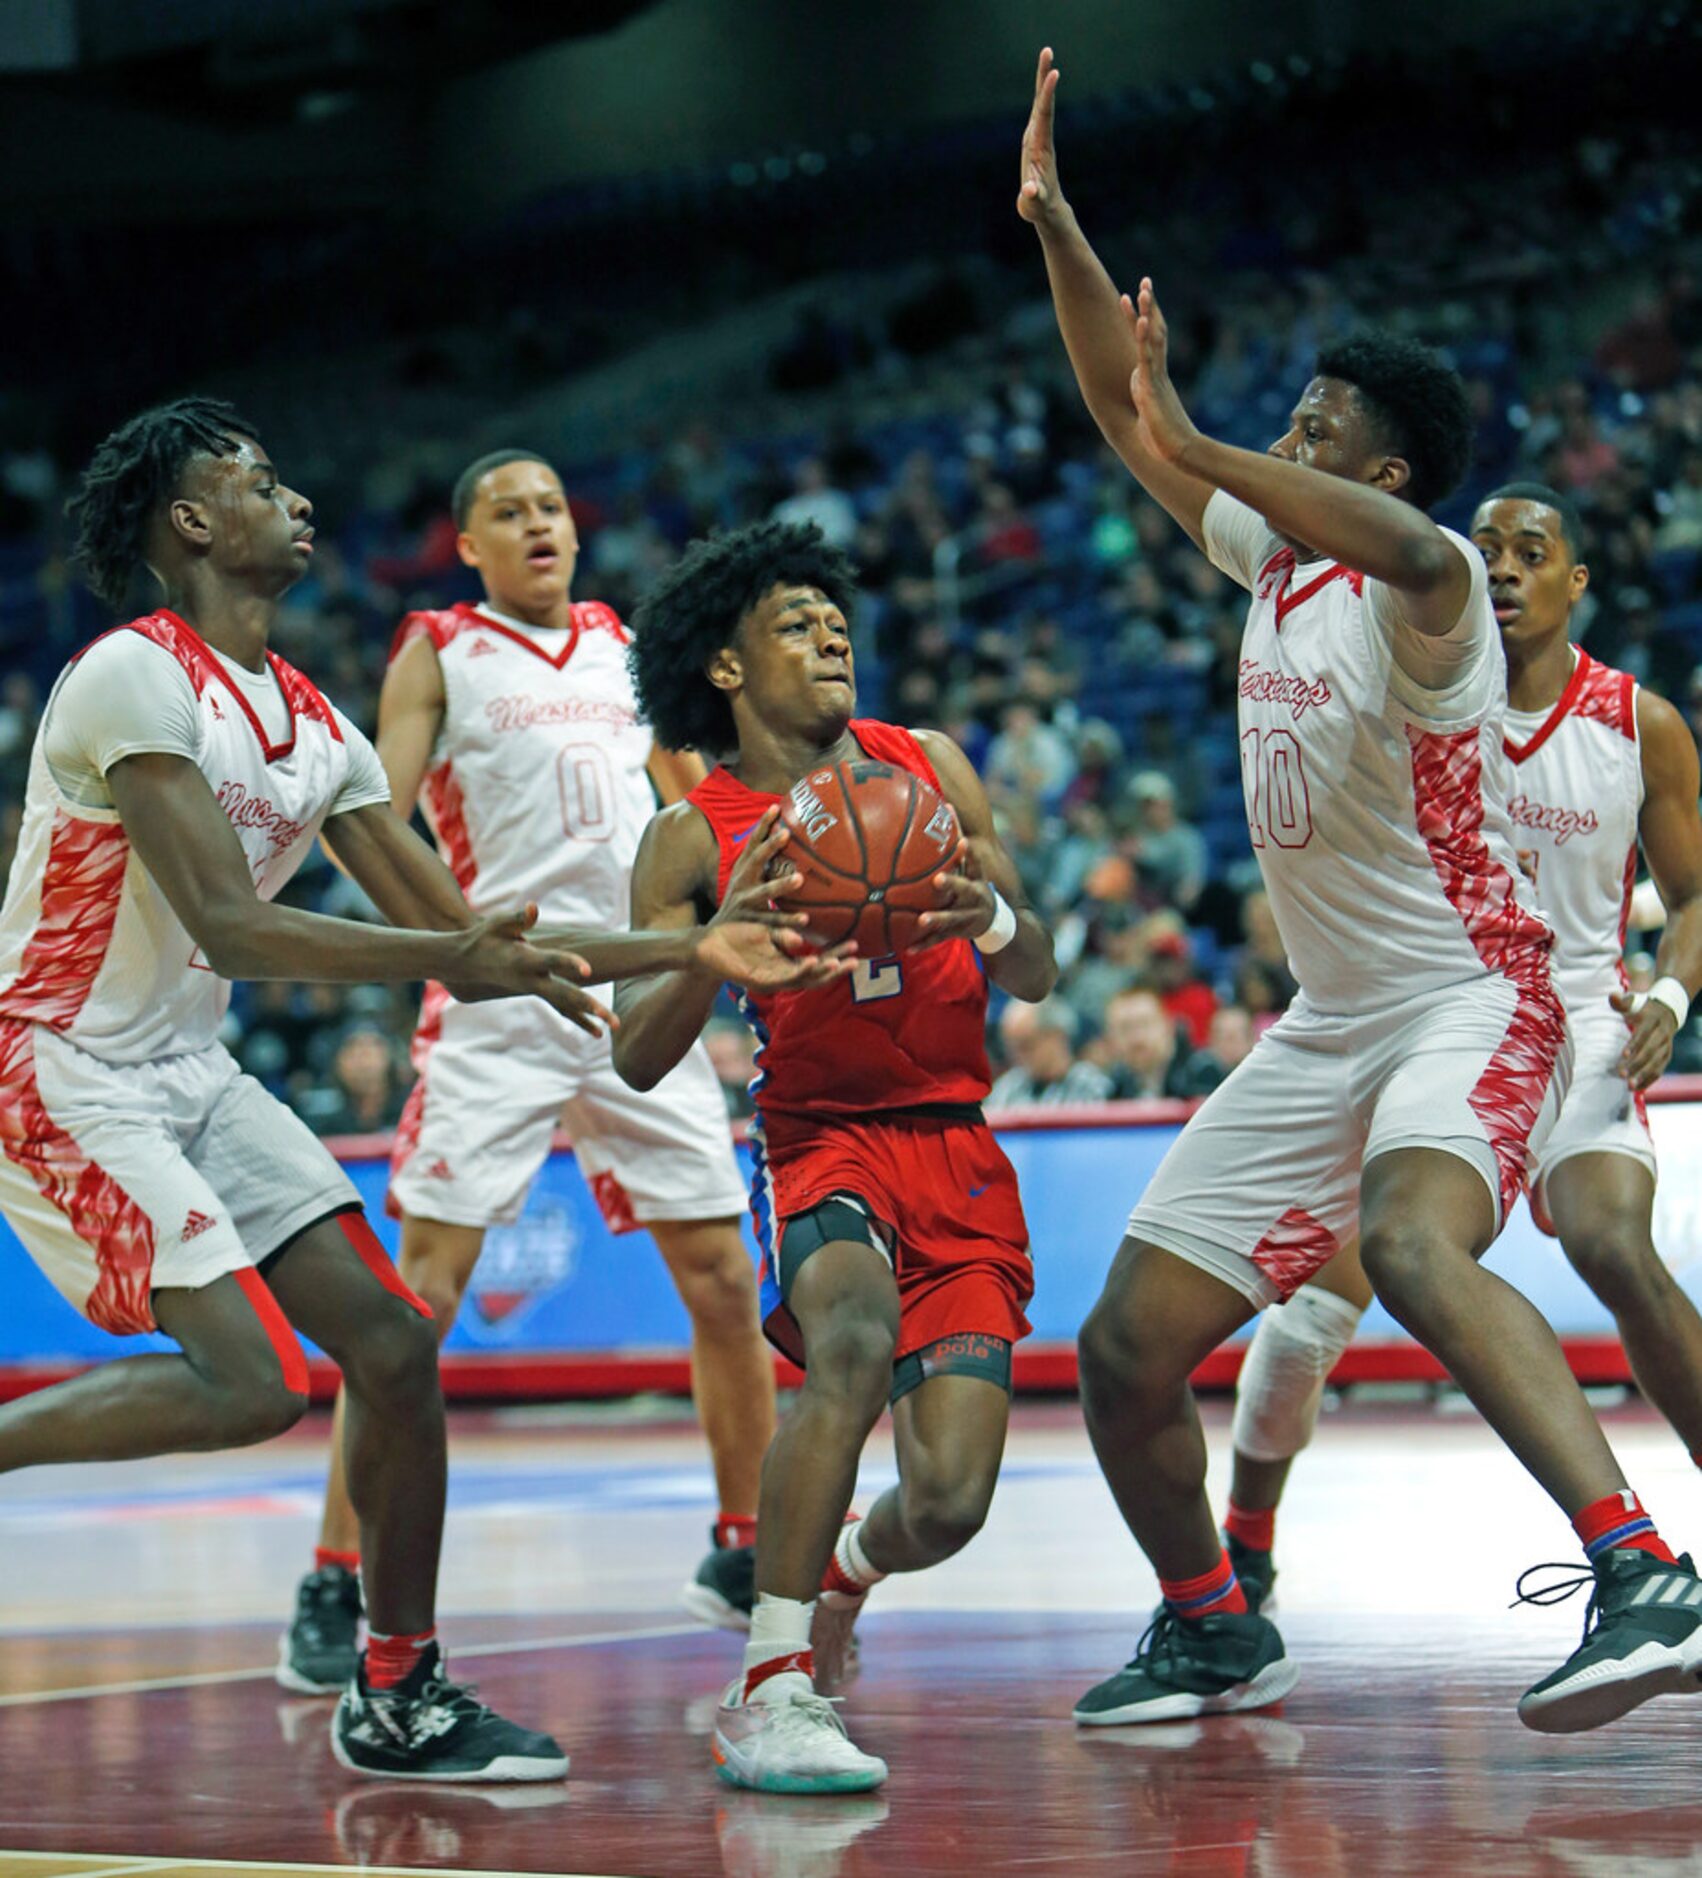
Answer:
(876, 978)
(1273, 779)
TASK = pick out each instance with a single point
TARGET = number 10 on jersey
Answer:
(1273, 780)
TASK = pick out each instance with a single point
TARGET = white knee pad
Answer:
(1282, 1381)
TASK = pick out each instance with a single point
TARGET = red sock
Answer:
(793, 1663)
(323, 1556)
(1213, 1594)
(391, 1660)
(1618, 1519)
(1256, 1531)
(735, 1529)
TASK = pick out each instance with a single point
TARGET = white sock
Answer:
(780, 1627)
(852, 1560)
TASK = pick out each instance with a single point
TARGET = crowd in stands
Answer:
(1018, 590)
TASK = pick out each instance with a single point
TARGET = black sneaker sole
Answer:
(505, 1767)
(1605, 1691)
(1270, 1685)
(298, 1682)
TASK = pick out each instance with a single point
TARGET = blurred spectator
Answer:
(1039, 1043)
(1171, 856)
(1029, 757)
(816, 500)
(1170, 971)
(1227, 1042)
(1141, 1050)
(732, 1051)
(365, 1092)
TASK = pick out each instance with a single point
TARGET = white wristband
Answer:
(1667, 991)
(1003, 929)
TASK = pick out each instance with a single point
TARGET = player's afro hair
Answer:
(1565, 509)
(697, 607)
(136, 469)
(1419, 402)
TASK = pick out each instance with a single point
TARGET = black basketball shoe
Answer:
(1254, 1572)
(1642, 1638)
(1186, 1666)
(427, 1728)
(723, 1589)
(318, 1653)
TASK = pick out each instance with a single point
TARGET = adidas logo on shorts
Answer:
(196, 1224)
(438, 1170)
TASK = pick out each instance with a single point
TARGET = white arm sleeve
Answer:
(366, 781)
(125, 696)
(1238, 540)
(1436, 660)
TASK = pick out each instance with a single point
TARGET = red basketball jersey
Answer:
(898, 1032)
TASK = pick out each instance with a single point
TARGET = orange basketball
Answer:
(868, 839)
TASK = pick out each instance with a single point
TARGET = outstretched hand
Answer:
(766, 958)
(1038, 195)
(1653, 1027)
(1166, 427)
(755, 881)
(501, 962)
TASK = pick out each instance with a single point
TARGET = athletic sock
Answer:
(1256, 1531)
(735, 1529)
(849, 1571)
(1216, 1593)
(324, 1555)
(1618, 1519)
(778, 1660)
(391, 1660)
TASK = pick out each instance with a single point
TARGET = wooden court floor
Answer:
(140, 1729)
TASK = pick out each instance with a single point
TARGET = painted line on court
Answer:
(211, 1678)
(102, 1866)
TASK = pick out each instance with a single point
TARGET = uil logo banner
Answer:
(520, 1265)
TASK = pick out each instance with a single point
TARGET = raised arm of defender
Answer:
(1670, 829)
(1096, 336)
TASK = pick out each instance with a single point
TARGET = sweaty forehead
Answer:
(206, 474)
(1518, 515)
(514, 481)
(1329, 398)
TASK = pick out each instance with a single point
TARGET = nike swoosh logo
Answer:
(975, 1193)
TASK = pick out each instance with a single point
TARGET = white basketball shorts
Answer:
(1262, 1186)
(1601, 1114)
(123, 1179)
(495, 1082)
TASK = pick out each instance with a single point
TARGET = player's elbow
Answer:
(637, 1067)
(224, 942)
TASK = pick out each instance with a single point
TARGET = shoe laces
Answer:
(1571, 1581)
(809, 1709)
(1158, 1642)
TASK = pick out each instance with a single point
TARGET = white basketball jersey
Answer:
(88, 943)
(1376, 806)
(537, 788)
(1577, 796)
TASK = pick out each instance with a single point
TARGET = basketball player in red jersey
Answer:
(895, 1252)
(515, 721)
(181, 774)
(1414, 1079)
(1601, 765)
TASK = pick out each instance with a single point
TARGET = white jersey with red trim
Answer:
(537, 788)
(1377, 804)
(1577, 797)
(89, 945)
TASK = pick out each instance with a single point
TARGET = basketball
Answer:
(868, 839)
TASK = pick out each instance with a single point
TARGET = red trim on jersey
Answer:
(82, 886)
(1595, 693)
(1294, 1249)
(447, 808)
(100, 1212)
(357, 1229)
(1447, 776)
(446, 624)
(292, 1358)
(407, 1137)
(1286, 602)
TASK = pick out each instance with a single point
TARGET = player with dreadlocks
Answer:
(181, 775)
